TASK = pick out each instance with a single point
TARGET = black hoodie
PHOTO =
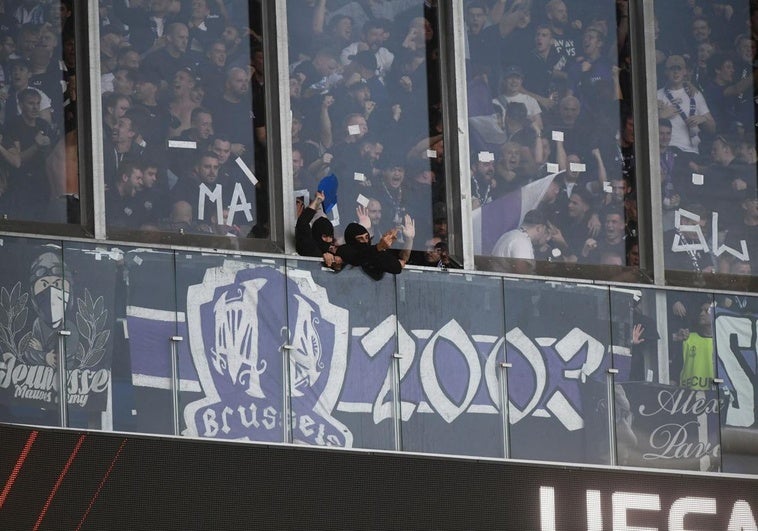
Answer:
(373, 261)
(308, 241)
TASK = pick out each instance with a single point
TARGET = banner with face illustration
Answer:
(46, 290)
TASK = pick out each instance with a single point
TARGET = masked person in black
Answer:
(376, 260)
(318, 239)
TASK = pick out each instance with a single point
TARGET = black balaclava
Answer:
(352, 231)
(322, 227)
(354, 252)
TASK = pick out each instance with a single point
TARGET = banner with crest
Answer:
(345, 360)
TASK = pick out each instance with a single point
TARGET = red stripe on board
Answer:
(17, 466)
(59, 481)
(100, 487)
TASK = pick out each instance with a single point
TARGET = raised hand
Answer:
(363, 219)
(637, 332)
(409, 227)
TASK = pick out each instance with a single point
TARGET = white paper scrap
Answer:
(182, 144)
(246, 171)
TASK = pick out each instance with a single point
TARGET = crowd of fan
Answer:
(706, 53)
(183, 148)
(367, 107)
(183, 116)
(38, 173)
(543, 88)
(550, 90)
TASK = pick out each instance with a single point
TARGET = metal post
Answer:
(455, 100)
(95, 147)
(287, 394)
(662, 323)
(280, 111)
(504, 413)
(644, 73)
(610, 383)
(62, 380)
(175, 383)
(397, 410)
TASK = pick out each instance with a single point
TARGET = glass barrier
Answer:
(93, 276)
(557, 341)
(552, 136)
(184, 123)
(706, 60)
(450, 365)
(39, 177)
(234, 312)
(146, 320)
(667, 406)
(354, 362)
(736, 348)
(35, 305)
(367, 109)
(343, 339)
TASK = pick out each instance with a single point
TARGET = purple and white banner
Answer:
(736, 346)
(436, 354)
(346, 344)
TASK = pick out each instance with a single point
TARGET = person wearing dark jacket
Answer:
(316, 240)
(376, 260)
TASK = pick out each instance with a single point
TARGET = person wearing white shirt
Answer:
(511, 88)
(684, 106)
(519, 243)
(374, 36)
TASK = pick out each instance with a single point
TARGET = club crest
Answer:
(241, 335)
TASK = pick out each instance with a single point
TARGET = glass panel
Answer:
(366, 102)
(737, 358)
(546, 98)
(667, 410)
(635, 334)
(232, 316)
(39, 178)
(343, 334)
(557, 343)
(32, 312)
(94, 281)
(706, 110)
(184, 117)
(145, 320)
(450, 369)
